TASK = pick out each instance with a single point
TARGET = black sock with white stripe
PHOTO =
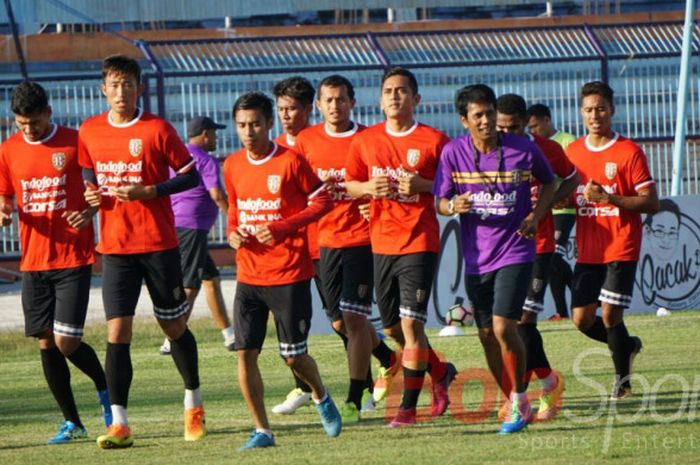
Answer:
(619, 344)
(57, 377)
(597, 331)
(119, 373)
(85, 358)
(184, 353)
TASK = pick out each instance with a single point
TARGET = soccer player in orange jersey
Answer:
(125, 153)
(273, 195)
(393, 163)
(539, 122)
(39, 166)
(511, 117)
(345, 263)
(294, 98)
(615, 189)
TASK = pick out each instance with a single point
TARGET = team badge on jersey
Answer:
(58, 160)
(610, 170)
(273, 183)
(517, 176)
(135, 147)
(413, 157)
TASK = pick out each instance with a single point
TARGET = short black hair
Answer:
(121, 64)
(512, 104)
(336, 80)
(539, 110)
(399, 71)
(254, 101)
(665, 205)
(28, 98)
(598, 88)
(296, 87)
(475, 93)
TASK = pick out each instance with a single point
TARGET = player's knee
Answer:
(581, 319)
(173, 329)
(67, 345)
(354, 324)
(486, 336)
(339, 327)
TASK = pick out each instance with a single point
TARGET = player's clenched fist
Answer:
(237, 238)
(462, 203)
(378, 187)
(6, 214)
(92, 194)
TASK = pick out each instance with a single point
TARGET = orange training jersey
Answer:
(312, 228)
(564, 170)
(327, 152)
(261, 192)
(606, 233)
(46, 180)
(399, 224)
(137, 152)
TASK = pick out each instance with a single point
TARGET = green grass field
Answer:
(659, 425)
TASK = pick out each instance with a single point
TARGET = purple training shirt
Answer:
(489, 231)
(194, 208)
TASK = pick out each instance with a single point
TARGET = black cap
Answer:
(196, 125)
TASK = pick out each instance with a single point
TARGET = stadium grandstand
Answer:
(200, 65)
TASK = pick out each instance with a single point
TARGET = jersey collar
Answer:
(401, 134)
(54, 128)
(616, 135)
(139, 112)
(348, 133)
(262, 161)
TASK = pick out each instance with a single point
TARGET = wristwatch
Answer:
(451, 206)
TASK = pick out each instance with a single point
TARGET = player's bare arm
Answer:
(564, 190)
(5, 210)
(219, 197)
(646, 200)
(130, 192)
(528, 228)
(377, 187)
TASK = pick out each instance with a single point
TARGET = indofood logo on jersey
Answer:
(413, 157)
(273, 183)
(135, 147)
(669, 265)
(58, 160)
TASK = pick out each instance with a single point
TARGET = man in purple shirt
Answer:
(195, 212)
(485, 177)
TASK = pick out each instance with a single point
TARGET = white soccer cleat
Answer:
(165, 348)
(295, 399)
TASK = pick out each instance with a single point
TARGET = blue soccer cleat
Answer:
(330, 417)
(69, 431)
(258, 440)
